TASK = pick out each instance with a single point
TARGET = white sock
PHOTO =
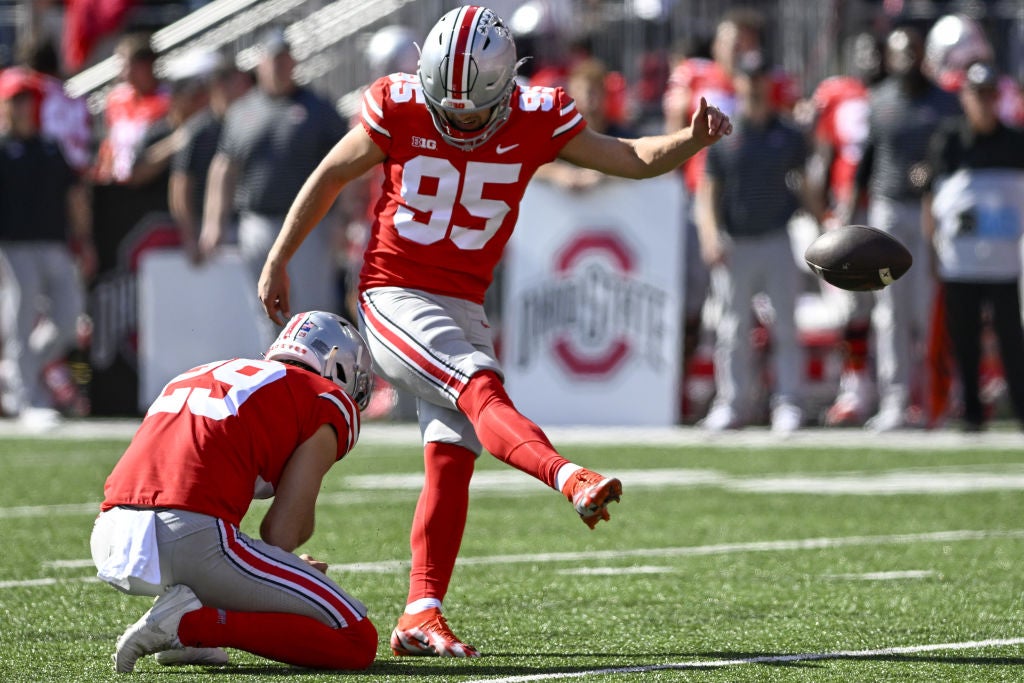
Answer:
(564, 472)
(417, 606)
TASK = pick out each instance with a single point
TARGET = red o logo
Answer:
(598, 252)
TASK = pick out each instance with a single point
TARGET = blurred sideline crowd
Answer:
(919, 135)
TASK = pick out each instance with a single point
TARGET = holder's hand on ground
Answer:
(314, 563)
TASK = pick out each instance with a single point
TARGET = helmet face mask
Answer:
(467, 66)
(330, 346)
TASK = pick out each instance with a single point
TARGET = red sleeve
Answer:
(570, 121)
(375, 101)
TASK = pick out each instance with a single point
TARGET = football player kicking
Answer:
(458, 142)
(217, 436)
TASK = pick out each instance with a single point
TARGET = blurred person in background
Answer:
(750, 189)
(973, 220)
(44, 224)
(169, 522)
(708, 72)
(189, 95)
(196, 145)
(905, 110)
(459, 142)
(586, 86)
(133, 105)
(272, 139)
(954, 42)
(840, 106)
(63, 118)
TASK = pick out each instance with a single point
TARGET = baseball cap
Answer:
(17, 80)
(273, 42)
(981, 75)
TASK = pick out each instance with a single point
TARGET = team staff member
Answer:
(973, 220)
(44, 208)
(458, 143)
(272, 138)
(745, 200)
(906, 109)
(172, 506)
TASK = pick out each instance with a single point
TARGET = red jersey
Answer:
(445, 214)
(128, 116)
(702, 77)
(216, 428)
(842, 106)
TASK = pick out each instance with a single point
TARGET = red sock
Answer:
(440, 519)
(289, 638)
(505, 432)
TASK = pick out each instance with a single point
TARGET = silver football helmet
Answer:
(332, 347)
(952, 44)
(392, 49)
(468, 64)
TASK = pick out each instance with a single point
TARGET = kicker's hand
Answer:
(709, 124)
(273, 293)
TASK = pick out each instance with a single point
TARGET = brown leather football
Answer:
(858, 258)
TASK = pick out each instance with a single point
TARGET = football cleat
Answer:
(427, 634)
(157, 629)
(590, 494)
(199, 656)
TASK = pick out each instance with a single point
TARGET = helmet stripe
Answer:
(462, 40)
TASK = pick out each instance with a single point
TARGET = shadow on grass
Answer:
(591, 661)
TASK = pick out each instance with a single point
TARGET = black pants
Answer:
(964, 302)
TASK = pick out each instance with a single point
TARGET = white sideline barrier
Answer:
(191, 315)
(593, 300)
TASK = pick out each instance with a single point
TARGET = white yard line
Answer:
(766, 659)
(364, 489)
(407, 434)
(389, 566)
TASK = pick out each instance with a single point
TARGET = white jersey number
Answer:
(239, 378)
(426, 216)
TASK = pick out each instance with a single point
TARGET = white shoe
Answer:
(720, 418)
(39, 419)
(853, 401)
(786, 418)
(157, 629)
(886, 420)
(202, 656)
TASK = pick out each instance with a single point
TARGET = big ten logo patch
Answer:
(423, 143)
(594, 312)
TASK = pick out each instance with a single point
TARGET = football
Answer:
(858, 258)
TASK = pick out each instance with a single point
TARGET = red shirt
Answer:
(445, 214)
(216, 428)
(842, 106)
(128, 116)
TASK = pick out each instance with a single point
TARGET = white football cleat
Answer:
(199, 656)
(157, 629)
(786, 419)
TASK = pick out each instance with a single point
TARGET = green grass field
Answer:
(842, 561)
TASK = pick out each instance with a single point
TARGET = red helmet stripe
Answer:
(465, 30)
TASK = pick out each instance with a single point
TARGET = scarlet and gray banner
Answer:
(592, 304)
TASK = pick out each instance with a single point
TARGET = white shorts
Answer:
(429, 345)
(224, 568)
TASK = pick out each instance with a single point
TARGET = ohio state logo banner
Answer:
(592, 306)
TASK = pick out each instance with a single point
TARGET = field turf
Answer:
(839, 558)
